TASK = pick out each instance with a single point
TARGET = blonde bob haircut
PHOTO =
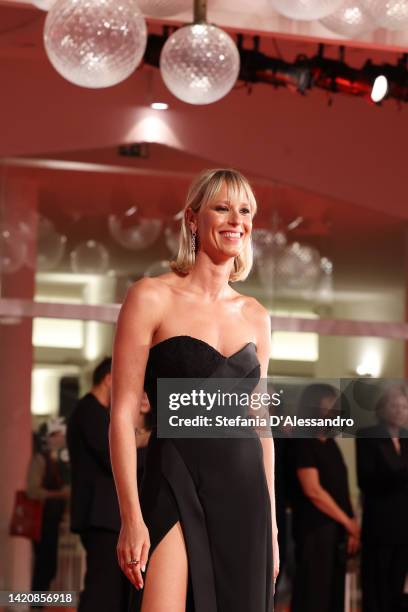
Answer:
(202, 191)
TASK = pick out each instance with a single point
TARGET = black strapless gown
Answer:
(216, 488)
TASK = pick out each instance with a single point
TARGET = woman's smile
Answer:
(232, 236)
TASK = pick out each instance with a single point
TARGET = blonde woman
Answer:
(203, 535)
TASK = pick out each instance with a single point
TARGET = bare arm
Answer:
(310, 483)
(264, 351)
(138, 319)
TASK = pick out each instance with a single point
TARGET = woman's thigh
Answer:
(166, 576)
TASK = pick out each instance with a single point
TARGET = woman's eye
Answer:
(221, 208)
(246, 211)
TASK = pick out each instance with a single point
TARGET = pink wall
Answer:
(352, 150)
(15, 398)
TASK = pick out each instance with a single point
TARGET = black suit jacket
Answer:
(93, 495)
(383, 479)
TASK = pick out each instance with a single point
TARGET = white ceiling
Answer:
(258, 16)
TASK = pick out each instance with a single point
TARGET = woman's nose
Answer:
(234, 217)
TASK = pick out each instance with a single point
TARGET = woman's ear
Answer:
(191, 222)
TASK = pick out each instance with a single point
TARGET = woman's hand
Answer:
(353, 545)
(353, 528)
(133, 545)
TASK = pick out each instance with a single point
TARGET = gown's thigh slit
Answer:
(178, 569)
(192, 519)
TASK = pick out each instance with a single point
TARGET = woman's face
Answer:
(327, 405)
(56, 440)
(224, 224)
(396, 411)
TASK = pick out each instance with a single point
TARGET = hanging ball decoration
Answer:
(351, 20)
(163, 8)
(95, 43)
(13, 248)
(265, 242)
(305, 9)
(133, 231)
(44, 5)
(199, 63)
(299, 267)
(50, 246)
(391, 14)
(157, 268)
(172, 239)
(90, 257)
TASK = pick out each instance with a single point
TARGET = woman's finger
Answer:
(134, 569)
(144, 556)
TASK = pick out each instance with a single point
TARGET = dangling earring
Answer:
(193, 241)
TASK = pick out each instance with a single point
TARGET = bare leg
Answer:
(167, 573)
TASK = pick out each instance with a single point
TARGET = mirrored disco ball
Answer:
(265, 241)
(90, 257)
(351, 19)
(164, 8)
(95, 43)
(392, 14)
(133, 231)
(44, 5)
(298, 267)
(157, 268)
(13, 248)
(305, 9)
(199, 63)
(172, 236)
(50, 245)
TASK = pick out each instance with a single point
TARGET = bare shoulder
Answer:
(257, 313)
(151, 292)
(143, 308)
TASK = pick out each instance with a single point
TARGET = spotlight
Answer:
(159, 106)
(380, 88)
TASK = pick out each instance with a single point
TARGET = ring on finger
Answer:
(133, 562)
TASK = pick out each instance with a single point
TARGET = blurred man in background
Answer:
(94, 505)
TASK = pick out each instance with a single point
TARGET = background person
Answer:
(47, 480)
(324, 527)
(382, 470)
(94, 505)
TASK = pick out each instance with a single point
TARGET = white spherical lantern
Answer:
(199, 63)
(95, 43)
(305, 9)
(298, 267)
(157, 268)
(163, 8)
(44, 5)
(13, 247)
(133, 231)
(392, 14)
(50, 245)
(350, 20)
(90, 257)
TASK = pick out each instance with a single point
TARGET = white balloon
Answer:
(95, 43)
(305, 9)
